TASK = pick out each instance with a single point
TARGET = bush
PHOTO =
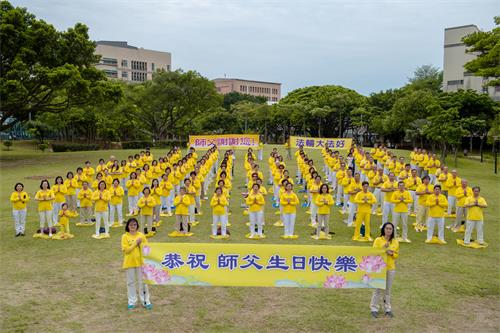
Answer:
(8, 144)
(43, 146)
(136, 144)
(157, 144)
(63, 147)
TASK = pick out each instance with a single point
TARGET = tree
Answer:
(486, 45)
(44, 70)
(235, 97)
(427, 77)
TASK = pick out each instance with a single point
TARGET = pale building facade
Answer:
(455, 76)
(270, 90)
(129, 63)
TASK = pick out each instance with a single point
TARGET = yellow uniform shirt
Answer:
(255, 202)
(411, 183)
(452, 184)
(134, 187)
(218, 204)
(462, 194)
(146, 204)
(88, 172)
(60, 193)
(117, 194)
(64, 217)
(380, 242)
(365, 207)
(181, 204)
(401, 206)
(71, 186)
(354, 186)
(46, 197)
(437, 209)
(101, 200)
(389, 185)
(475, 213)
(289, 207)
(422, 198)
(19, 200)
(85, 197)
(324, 201)
(132, 255)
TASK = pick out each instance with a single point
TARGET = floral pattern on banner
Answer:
(372, 264)
(159, 276)
(335, 281)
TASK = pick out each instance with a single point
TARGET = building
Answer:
(455, 76)
(129, 63)
(269, 90)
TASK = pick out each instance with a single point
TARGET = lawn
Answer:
(78, 285)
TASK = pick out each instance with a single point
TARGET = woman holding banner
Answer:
(387, 242)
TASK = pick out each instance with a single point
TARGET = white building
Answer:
(129, 63)
(455, 76)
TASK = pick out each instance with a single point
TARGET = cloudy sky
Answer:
(366, 45)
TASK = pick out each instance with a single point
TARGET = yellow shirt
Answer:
(436, 209)
(462, 194)
(289, 207)
(117, 194)
(218, 204)
(422, 198)
(452, 184)
(475, 213)
(365, 207)
(255, 201)
(314, 189)
(401, 207)
(64, 217)
(324, 201)
(46, 197)
(132, 255)
(146, 204)
(19, 200)
(389, 185)
(85, 197)
(59, 192)
(71, 186)
(411, 183)
(354, 186)
(101, 204)
(134, 187)
(181, 204)
(380, 242)
(88, 172)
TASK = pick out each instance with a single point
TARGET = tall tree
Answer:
(235, 97)
(42, 69)
(427, 77)
(486, 45)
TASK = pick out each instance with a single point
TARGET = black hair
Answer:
(365, 183)
(133, 173)
(321, 188)
(79, 168)
(475, 187)
(48, 184)
(99, 185)
(382, 232)
(146, 188)
(15, 186)
(116, 180)
(426, 177)
(131, 220)
(436, 186)
(69, 173)
(58, 177)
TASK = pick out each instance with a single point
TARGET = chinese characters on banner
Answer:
(320, 143)
(226, 141)
(248, 265)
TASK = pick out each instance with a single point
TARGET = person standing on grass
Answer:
(167, 192)
(101, 197)
(387, 242)
(156, 193)
(324, 201)
(19, 199)
(219, 212)
(388, 188)
(423, 191)
(132, 244)
(402, 200)
(134, 187)
(437, 204)
(289, 202)
(59, 191)
(461, 193)
(71, 186)
(474, 205)
(181, 203)
(85, 197)
(255, 201)
(147, 203)
(364, 201)
(45, 197)
(116, 202)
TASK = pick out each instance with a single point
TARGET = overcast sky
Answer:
(364, 45)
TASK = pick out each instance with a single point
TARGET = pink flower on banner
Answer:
(335, 281)
(146, 250)
(366, 279)
(372, 264)
(159, 276)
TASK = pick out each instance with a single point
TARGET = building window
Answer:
(124, 63)
(153, 66)
(109, 61)
(124, 75)
(111, 73)
(139, 65)
(168, 68)
(455, 82)
(139, 76)
(497, 88)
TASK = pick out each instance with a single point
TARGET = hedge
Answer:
(157, 144)
(63, 147)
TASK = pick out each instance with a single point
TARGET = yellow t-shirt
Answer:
(117, 194)
(365, 207)
(380, 242)
(101, 204)
(59, 192)
(289, 207)
(475, 213)
(19, 200)
(389, 185)
(218, 204)
(64, 217)
(132, 255)
(181, 204)
(437, 209)
(462, 194)
(146, 204)
(401, 207)
(255, 202)
(46, 197)
(85, 197)
(71, 186)
(422, 198)
(134, 187)
(324, 201)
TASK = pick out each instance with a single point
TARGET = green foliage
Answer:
(427, 77)
(60, 147)
(486, 45)
(38, 129)
(7, 144)
(45, 70)
(235, 97)
(43, 146)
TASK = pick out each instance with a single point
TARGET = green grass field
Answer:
(78, 285)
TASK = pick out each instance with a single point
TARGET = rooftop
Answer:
(116, 44)
(228, 78)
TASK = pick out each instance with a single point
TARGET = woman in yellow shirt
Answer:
(59, 191)
(402, 200)
(324, 200)
(71, 186)
(134, 187)
(422, 192)
(116, 202)
(255, 201)
(85, 197)
(156, 192)
(475, 205)
(19, 199)
(461, 193)
(313, 189)
(437, 204)
(133, 242)
(147, 204)
(181, 203)
(45, 198)
(219, 205)
(191, 193)
(289, 202)
(390, 245)
(101, 198)
(167, 187)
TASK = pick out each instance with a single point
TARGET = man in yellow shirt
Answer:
(402, 200)
(388, 188)
(437, 204)
(364, 201)
(461, 193)
(475, 205)
(452, 184)
(411, 183)
(353, 189)
(423, 191)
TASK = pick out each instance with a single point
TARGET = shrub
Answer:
(157, 144)
(136, 144)
(43, 146)
(8, 144)
(63, 147)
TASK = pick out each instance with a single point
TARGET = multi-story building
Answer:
(455, 76)
(269, 90)
(129, 63)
